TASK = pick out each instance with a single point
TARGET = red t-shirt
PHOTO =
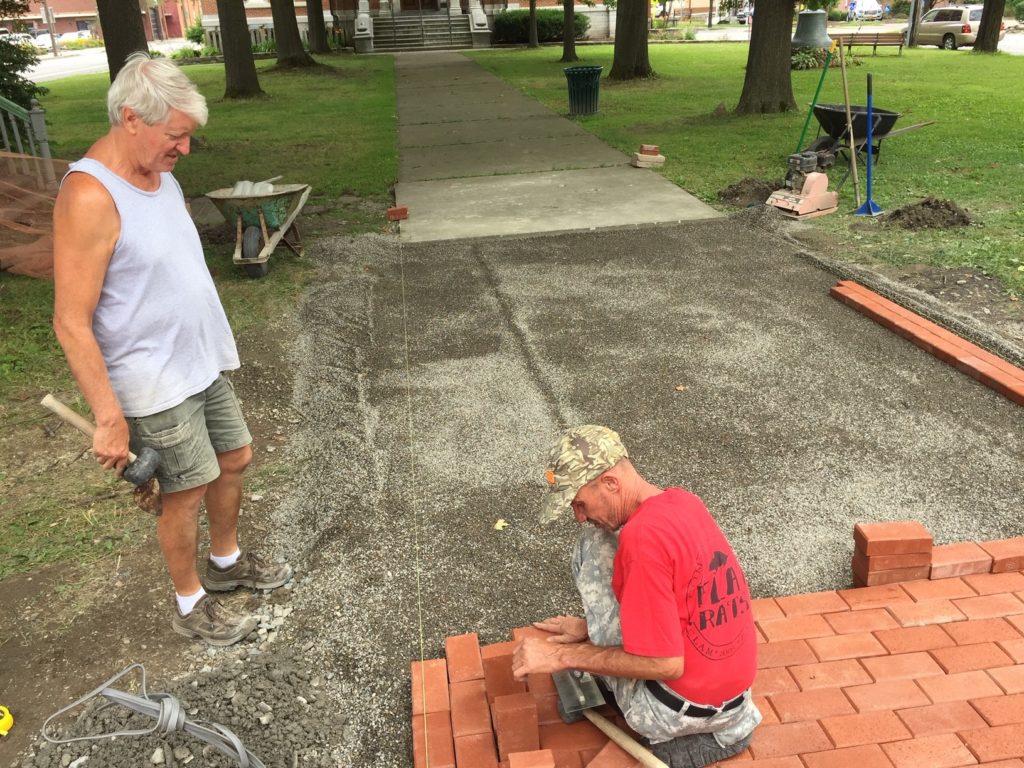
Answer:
(682, 593)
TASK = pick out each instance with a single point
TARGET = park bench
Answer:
(874, 39)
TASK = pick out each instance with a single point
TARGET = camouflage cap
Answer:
(578, 457)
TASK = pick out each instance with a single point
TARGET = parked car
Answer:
(952, 27)
(742, 15)
(867, 13)
(78, 34)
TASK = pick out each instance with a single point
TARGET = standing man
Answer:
(668, 627)
(147, 340)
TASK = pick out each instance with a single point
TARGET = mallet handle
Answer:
(624, 740)
(77, 421)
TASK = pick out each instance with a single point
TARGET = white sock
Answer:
(187, 602)
(227, 561)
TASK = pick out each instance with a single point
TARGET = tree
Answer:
(630, 60)
(988, 30)
(240, 77)
(533, 41)
(290, 52)
(123, 33)
(16, 59)
(767, 85)
(317, 27)
(568, 33)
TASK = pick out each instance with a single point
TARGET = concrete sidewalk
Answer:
(478, 159)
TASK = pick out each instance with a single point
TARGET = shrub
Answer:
(265, 46)
(812, 58)
(836, 15)
(209, 50)
(15, 59)
(82, 43)
(195, 34)
(900, 8)
(1018, 10)
(514, 26)
(186, 52)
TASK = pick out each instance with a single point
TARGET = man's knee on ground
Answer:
(235, 462)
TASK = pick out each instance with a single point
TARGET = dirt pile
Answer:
(748, 192)
(930, 213)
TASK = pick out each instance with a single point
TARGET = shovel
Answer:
(578, 692)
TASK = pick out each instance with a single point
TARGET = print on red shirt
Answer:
(716, 599)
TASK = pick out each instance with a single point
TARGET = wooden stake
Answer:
(849, 127)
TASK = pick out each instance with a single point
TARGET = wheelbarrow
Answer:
(262, 222)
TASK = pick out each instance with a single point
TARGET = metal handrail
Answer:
(27, 127)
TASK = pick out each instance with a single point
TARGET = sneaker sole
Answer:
(218, 642)
(227, 586)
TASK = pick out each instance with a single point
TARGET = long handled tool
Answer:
(870, 207)
(849, 127)
(140, 469)
(578, 692)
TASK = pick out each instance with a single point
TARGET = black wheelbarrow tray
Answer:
(832, 119)
(262, 222)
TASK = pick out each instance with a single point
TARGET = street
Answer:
(90, 61)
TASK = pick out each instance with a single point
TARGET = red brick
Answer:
(846, 646)
(1014, 649)
(830, 674)
(497, 661)
(429, 686)
(943, 589)
(1012, 762)
(547, 709)
(432, 743)
(999, 743)
(521, 633)
(1018, 620)
(476, 750)
(866, 620)
(895, 538)
(470, 713)
(889, 695)
(788, 739)
(649, 149)
(989, 606)
(902, 666)
(745, 760)
(576, 736)
(765, 609)
(959, 559)
(515, 724)
(1001, 710)
(567, 759)
(810, 603)
(990, 583)
(795, 628)
(866, 756)
(959, 687)
(912, 639)
(613, 756)
(811, 705)
(1010, 679)
(964, 658)
(929, 612)
(885, 596)
(768, 714)
(463, 655)
(946, 717)
(864, 728)
(981, 630)
(785, 653)
(774, 680)
(398, 213)
(862, 578)
(942, 751)
(864, 564)
(541, 758)
(586, 755)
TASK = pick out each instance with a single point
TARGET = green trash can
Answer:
(584, 86)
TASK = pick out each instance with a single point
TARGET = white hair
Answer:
(152, 88)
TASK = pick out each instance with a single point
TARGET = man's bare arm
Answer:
(86, 226)
(537, 655)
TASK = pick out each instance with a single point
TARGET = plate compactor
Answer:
(806, 192)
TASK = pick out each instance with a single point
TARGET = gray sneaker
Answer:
(212, 622)
(251, 570)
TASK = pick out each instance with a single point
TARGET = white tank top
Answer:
(159, 321)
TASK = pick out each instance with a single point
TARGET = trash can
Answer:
(584, 86)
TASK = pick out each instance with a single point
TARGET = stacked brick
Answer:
(468, 711)
(889, 553)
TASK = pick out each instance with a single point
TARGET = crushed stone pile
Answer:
(930, 213)
(747, 192)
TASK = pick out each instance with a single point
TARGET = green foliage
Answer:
(811, 58)
(902, 7)
(1018, 10)
(209, 50)
(835, 14)
(265, 46)
(85, 42)
(195, 33)
(185, 52)
(514, 26)
(15, 60)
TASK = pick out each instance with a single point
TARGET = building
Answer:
(166, 19)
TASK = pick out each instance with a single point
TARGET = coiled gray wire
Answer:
(169, 715)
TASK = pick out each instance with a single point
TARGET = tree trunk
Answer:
(631, 60)
(290, 52)
(768, 85)
(532, 35)
(568, 33)
(240, 77)
(317, 27)
(988, 31)
(123, 33)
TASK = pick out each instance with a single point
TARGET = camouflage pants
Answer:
(592, 563)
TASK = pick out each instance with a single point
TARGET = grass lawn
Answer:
(973, 155)
(333, 128)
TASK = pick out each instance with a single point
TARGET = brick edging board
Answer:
(991, 370)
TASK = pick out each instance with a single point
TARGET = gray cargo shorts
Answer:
(592, 565)
(189, 436)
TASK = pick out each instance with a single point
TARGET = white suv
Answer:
(952, 26)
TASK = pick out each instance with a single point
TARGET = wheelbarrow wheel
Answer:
(252, 244)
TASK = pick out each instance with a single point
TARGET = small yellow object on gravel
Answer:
(501, 524)
(6, 720)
